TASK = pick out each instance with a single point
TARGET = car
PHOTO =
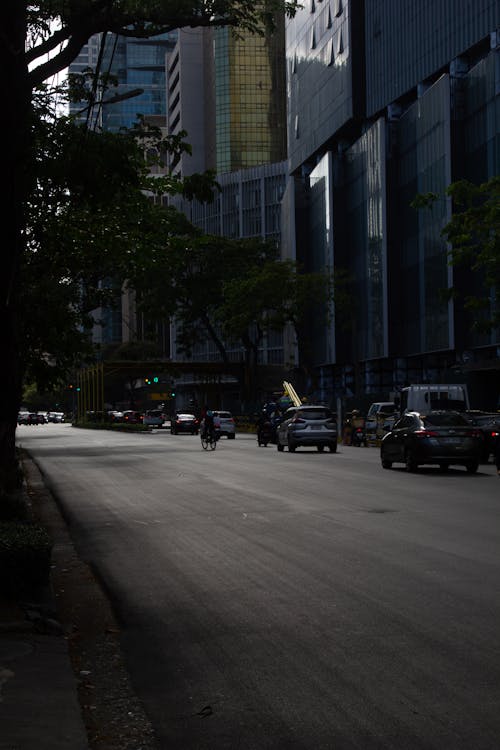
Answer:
(23, 417)
(224, 424)
(438, 437)
(32, 418)
(377, 415)
(56, 417)
(307, 425)
(153, 418)
(115, 416)
(184, 423)
(489, 425)
(132, 417)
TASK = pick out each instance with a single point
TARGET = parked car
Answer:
(314, 426)
(489, 425)
(224, 424)
(439, 437)
(30, 418)
(153, 418)
(184, 423)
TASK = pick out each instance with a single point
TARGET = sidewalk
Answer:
(39, 706)
(64, 684)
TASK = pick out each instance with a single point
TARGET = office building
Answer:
(389, 99)
(138, 65)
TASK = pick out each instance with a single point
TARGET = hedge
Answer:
(25, 555)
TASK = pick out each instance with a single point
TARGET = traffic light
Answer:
(147, 381)
(156, 379)
(172, 393)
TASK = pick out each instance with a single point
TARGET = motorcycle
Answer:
(358, 437)
(265, 434)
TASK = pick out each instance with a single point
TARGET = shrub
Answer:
(25, 553)
(13, 507)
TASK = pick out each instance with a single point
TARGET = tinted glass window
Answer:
(444, 420)
(223, 414)
(489, 419)
(315, 413)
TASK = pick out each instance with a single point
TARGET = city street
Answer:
(304, 601)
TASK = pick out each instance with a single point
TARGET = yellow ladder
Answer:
(291, 393)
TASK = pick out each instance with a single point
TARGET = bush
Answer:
(13, 507)
(25, 553)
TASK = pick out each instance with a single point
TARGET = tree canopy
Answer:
(38, 41)
(473, 237)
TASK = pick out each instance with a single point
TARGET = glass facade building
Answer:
(250, 104)
(389, 99)
(247, 205)
(136, 64)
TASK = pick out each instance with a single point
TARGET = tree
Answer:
(186, 279)
(473, 234)
(31, 51)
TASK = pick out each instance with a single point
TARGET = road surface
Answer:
(302, 601)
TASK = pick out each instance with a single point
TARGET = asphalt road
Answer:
(291, 601)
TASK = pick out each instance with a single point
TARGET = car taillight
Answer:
(425, 433)
(494, 434)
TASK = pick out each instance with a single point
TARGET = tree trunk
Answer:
(14, 129)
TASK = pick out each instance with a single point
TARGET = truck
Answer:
(426, 396)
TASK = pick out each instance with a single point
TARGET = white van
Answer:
(426, 396)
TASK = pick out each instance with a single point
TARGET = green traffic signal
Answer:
(155, 379)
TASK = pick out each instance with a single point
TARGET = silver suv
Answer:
(309, 426)
(224, 424)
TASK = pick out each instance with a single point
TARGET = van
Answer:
(424, 397)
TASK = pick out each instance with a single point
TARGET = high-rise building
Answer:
(137, 69)
(138, 66)
(250, 99)
(228, 93)
(381, 109)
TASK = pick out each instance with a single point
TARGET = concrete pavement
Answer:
(39, 706)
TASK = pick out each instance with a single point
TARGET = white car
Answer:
(224, 424)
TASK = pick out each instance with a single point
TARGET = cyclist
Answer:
(208, 424)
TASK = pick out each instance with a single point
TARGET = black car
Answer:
(313, 426)
(489, 425)
(436, 437)
(184, 423)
